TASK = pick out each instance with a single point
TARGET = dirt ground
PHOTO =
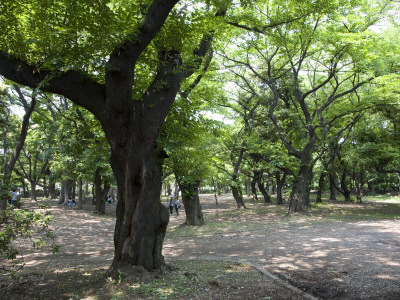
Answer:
(319, 259)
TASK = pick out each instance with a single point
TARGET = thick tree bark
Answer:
(141, 218)
(52, 190)
(332, 187)
(191, 201)
(300, 194)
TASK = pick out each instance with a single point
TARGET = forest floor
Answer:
(337, 251)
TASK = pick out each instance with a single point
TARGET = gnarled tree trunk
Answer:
(141, 218)
(300, 195)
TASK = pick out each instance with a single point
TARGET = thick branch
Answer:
(120, 74)
(76, 86)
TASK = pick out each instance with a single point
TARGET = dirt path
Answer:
(331, 260)
(340, 261)
(334, 260)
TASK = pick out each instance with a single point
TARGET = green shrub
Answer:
(27, 225)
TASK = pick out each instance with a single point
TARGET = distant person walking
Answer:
(14, 196)
(177, 205)
(171, 203)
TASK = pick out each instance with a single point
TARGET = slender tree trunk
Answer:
(191, 201)
(253, 187)
(358, 186)
(237, 192)
(279, 187)
(45, 188)
(80, 194)
(320, 186)
(101, 192)
(33, 190)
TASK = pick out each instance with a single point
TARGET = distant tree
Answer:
(13, 96)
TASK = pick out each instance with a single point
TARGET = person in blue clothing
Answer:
(14, 196)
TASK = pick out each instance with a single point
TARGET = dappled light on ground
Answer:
(337, 252)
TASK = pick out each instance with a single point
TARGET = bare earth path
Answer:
(328, 260)
(333, 260)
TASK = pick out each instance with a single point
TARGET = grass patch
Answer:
(197, 280)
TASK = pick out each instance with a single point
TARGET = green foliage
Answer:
(25, 224)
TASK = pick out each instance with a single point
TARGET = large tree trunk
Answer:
(191, 201)
(141, 218)
(52, 190)
(300, 195)
(332, 186)
(61, 199)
